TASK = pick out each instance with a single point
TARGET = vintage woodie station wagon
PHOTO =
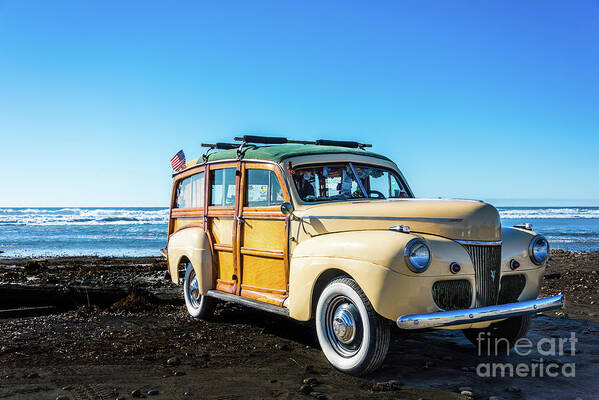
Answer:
(330, 232)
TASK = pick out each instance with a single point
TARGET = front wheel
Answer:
(353, 337)
(500, 336)
(198, 306)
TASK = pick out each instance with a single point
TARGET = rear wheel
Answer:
(353, 337)
(499, 337)
(197, 305)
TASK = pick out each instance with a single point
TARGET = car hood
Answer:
(453, 219)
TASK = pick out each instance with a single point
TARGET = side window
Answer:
(222, 187)
(190, 192)
(276, 193)
(263, 188)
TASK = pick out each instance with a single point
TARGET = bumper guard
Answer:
(472, 315)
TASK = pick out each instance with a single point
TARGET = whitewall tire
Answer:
(353, 337)
(197, 305)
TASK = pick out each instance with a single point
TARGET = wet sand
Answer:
(129, 332)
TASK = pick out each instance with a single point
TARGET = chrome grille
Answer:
(487, 266)
(452, 295)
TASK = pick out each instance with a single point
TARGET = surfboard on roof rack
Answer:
(282, 140)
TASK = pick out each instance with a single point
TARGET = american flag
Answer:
(178, 160)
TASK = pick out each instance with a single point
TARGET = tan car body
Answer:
(353, 238)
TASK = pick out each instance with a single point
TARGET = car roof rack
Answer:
(342, 143)
(217, 146)
(281, 140)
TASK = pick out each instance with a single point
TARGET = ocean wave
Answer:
(545, 213)
(116, 219)
(144, 216)
(83, 216)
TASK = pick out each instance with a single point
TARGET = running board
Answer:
(244, 301)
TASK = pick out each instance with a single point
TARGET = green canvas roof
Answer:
(278, 153)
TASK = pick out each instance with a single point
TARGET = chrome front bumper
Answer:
(472, 315)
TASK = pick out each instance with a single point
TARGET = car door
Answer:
(263, 234)
(222, 187)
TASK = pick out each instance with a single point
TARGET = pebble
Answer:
(310, 381)
(62, 398)
(513, 389)
(179, 373)
(173, 361)
(467, 394)
(136, 393)
(188, 394)
(153, 392)
(306, 389)
(282, 346)
(68, 388)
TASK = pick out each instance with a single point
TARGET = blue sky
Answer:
(481, 99)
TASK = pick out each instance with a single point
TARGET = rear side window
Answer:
(263, 188)
(222, 187)
(190, 193)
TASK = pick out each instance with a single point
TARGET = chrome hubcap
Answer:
(344, 323)
(193, 289)
(343, 326)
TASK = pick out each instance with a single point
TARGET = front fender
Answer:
(516, 242)
(193, 244)
(515, 247)
(374, 259)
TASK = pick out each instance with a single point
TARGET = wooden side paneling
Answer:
(264, 234)
(263, 252)
(262, 245)
(263, 272)
(225, 264)
(222, 230)
(187, 212)
(265, 296)
(181, 223)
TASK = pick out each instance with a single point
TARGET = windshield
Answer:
(345, 181)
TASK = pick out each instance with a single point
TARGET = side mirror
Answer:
(287, 208)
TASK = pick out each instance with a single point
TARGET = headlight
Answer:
(539, 250)
(417, 255)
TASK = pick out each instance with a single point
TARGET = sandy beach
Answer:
(116, 328)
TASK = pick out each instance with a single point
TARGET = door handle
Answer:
(241, 220)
